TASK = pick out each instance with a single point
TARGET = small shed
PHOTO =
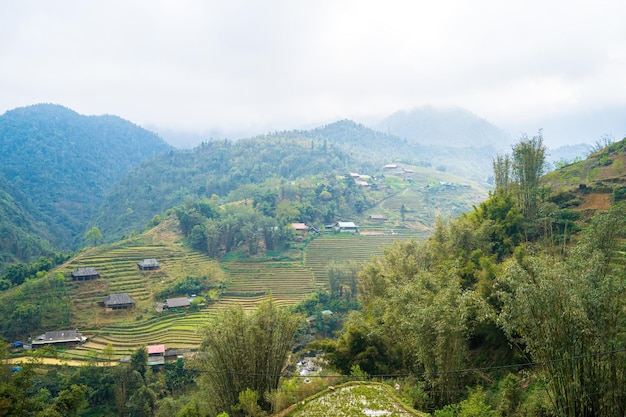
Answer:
(59, 338)
(118, 301)
(378, 217)
(148, 265)
(179, 302)
(85, 274)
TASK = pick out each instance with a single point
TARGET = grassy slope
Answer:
(600, 175)
(287, 280)
(352, 399)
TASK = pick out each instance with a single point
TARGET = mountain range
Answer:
(62, 173)
(56, 167)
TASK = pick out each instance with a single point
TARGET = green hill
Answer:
(592, 184)
(61, 164)
(220, 167)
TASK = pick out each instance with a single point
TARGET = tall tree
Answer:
(529, 158)
(241, 352)
(502, 173)
(569, 315)
(94, 235)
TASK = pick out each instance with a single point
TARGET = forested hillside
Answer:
(22, 236)
(514, 308)
(60, 165)
(221, 167)
(66, 173)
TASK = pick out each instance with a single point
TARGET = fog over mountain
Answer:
(453, 127)
(240, 69)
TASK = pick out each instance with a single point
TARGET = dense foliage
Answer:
(259, 218)
(62, 164)
(493, 283)
(244, 355)
(30, 307)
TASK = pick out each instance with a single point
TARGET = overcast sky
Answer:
(259, 66)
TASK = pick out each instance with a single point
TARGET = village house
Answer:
(118, 301)
(85, 274)
(299, 227)
(148, 265)
(378, 217)
(178, 302)
(346, 227)
(156, 354)
(59, 338)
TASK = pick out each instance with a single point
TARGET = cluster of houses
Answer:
(111, 302)
(158, 355)
(365, 180)
(342, 227)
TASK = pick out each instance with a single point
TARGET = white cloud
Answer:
(267, 65)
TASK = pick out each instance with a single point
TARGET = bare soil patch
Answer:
(596, 201)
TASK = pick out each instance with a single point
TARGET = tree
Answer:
(529, 156)
(569, 315)
(70, 402)
(241, 351)
(139, 361)
(342, 279)
(93, 235)
(502, 173)
(604, 141)
(108, 352)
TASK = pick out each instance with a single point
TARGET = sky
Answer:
(231, 67)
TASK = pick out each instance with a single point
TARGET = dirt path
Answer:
(54, 361)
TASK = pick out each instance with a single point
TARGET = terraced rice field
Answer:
(286, 281)
(248, 284)
(119, 273)
(343, 247)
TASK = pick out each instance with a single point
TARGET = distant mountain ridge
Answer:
(65, 172)
(452, 127)
(62, 163)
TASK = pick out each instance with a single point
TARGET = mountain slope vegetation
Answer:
(514, 308)
(61, 164)
(305, 158)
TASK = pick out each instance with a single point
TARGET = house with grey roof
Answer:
(349, 227)
(178, 302)
(59, 338)
(118, 301)
(85, 274)
(148, 265)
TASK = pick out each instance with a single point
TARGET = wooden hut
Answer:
(148, 265)
(118, 301)
(85, 274)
